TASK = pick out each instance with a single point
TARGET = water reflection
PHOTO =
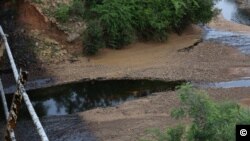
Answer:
(71, 98)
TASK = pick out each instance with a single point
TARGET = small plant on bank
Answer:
(77, 8)
(210, 121)
(62, 12)
(116, 20)
(172, 134)
(93, 38)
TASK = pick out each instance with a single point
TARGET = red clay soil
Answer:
(33, 19)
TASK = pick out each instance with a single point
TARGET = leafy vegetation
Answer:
(173, 134)
(124, 21)
(92, 38)
(77, 8)
(62, 13)
(209, 120)
(115, 18)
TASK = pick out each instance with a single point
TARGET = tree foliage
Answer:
(93, 38)
(209, 120)
(123, 21)
(62, 13)
(116, 18)
(77, 8)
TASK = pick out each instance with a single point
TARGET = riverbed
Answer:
(213, 60)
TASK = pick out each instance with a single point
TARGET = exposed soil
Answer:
(205, 62)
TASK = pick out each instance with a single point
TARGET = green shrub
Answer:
(93, 38)
(62, 13)
(123, 21)
(201, 11)
(152, 19)
(210, 120)
(172, 134)
(77, 8)
(92, 3)
(116, 19)
(176, 133)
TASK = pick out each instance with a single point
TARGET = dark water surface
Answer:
(78, 97)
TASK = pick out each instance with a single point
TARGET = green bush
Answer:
(152, 19)
(176, 133)
(92, 38)
(77, 8)
(62, 13)
(116, 20)
(123, 21)
(92, 3)
(172, 134)
(210, 121)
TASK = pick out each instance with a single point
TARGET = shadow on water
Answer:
(78, 97)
